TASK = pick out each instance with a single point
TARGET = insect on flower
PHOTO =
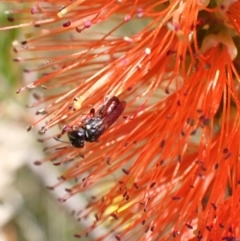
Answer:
(96, 125)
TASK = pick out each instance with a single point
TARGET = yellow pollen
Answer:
(77, 103)
(69, 8)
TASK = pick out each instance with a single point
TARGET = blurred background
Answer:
(28, 210)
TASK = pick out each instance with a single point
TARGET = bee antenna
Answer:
(62, 147)
(57, 139)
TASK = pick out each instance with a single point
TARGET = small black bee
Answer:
(95, 126)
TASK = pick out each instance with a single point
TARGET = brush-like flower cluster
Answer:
(168, 170)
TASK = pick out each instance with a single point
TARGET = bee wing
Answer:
(109, 119)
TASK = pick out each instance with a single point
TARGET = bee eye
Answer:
(77, 138)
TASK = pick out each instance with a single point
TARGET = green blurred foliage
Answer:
(10, 72)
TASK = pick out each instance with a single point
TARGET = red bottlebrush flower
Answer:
(169, 170)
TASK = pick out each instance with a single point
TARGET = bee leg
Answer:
(92, 112)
